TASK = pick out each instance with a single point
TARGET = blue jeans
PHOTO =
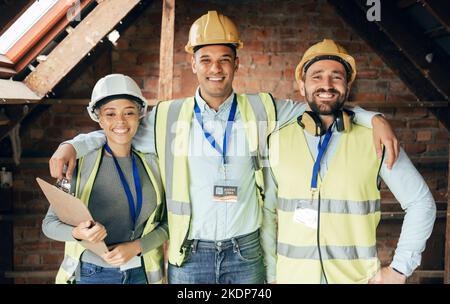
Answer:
(235, 261)
(93, 274)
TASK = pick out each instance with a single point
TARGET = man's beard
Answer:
(333, 107)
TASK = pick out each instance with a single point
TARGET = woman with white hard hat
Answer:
(122, 189)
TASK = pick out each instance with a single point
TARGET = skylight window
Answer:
(24, 23)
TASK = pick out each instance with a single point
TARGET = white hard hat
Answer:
(115, 86)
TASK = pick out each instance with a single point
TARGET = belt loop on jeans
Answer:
(194, 246)
(235, 245)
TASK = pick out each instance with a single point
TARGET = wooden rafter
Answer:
(42, 26)
(440, 10)
(16, 92)
(166, 50)
(353, 12)
(78, 44)
(38, 47)
(447, 235)
(414, 44)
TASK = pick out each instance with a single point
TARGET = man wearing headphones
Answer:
(323, 188)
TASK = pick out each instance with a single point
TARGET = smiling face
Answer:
(215, 66)
(325, 86)
(119, 119)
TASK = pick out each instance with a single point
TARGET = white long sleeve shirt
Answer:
(403, 180)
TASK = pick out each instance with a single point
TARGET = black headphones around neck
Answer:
(311, 122)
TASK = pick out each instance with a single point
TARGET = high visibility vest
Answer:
(349, 208)
(87, 170)
(172, 129)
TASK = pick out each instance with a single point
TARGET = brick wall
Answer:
(275, 34)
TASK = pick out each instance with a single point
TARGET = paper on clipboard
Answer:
(71, 211)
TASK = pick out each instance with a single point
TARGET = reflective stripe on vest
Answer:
(172, 129)
(331, 206)
(328, 252)
(349, 205)
(87, 170)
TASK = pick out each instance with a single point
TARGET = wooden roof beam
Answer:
(440, 10)
(66, 55)
(414, 44)
(447, 235)
(13, 92)
(397, 60)
(166, 50)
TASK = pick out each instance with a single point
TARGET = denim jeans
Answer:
(235, 261)
(93, 274)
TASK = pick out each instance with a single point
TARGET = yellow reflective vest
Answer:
(87, 169)
(349, 208)
(172, 129)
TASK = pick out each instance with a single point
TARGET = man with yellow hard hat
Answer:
(322, 205)
(210, 148)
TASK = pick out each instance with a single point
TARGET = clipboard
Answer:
(71, 211)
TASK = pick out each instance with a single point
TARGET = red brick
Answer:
(52, 259)
(416, 148)
(442, 136)
(32, 234)
(59, 246)
(36, 133)
(260, 60)
(423, 123)
(424, 135)
(254, 46)
(123, 44)
(412, 112)
(438, 148)
(368, 74)
(147, 58)
(375, 61)
(382, 85)
(77, 109)
(387, 73)
(406, 136)
(32, 246)
(401, 97)
(368, 97)
(341, 34)
(60, 108)
(83, 121)
(70, 133)
(397, 86)
(432, 183)
(31, 260)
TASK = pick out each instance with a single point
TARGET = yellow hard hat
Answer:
(213, 28)
(327, 49)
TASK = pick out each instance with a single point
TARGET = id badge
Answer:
(306, 216)
(225, 191)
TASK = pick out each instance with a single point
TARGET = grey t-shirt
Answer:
(108, 205)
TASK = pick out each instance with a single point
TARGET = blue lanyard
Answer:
(226, 136)
(321, 147)
(137, 185)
